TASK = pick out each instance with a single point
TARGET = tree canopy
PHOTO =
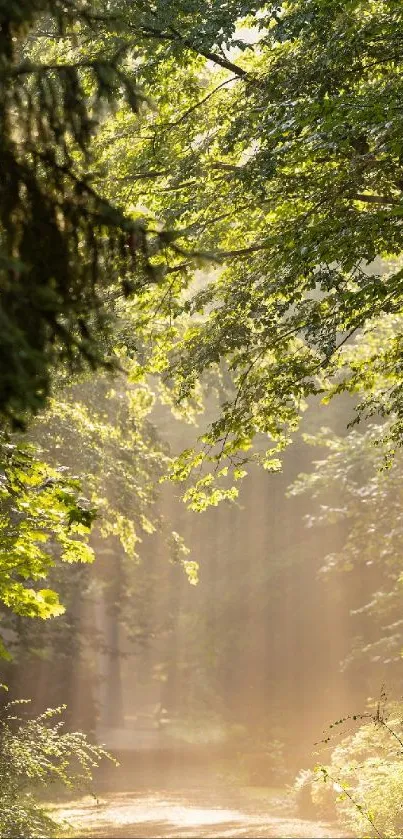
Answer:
(65, 249)
(202, 198)
(266, 138)
(282, 164)
(259, 142)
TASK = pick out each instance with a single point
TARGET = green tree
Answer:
(66, 251)
(274, 150)
(102, 430)
(270, 148)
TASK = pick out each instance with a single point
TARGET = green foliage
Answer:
(286, 117)
(102, 430)
(296, 141)
(291, 132)
(43, 518)
(66, 251)
(120, 457)
(34, 754)
(365, 773)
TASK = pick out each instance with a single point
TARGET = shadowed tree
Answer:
(65, 251)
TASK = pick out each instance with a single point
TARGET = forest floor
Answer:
(194, 813)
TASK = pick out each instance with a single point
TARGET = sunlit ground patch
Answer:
(165, 815)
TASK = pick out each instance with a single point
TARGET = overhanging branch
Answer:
(377, 199)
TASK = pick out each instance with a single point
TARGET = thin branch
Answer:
(150, 32)
(377, 199)
(199, 104)
(180, 267)
(241, 251)
(141, 176)
(358, 807)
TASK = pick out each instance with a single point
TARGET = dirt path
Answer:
(194, 814)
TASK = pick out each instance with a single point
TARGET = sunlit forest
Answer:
(201, 419)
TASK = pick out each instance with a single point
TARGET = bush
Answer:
(367, 770)
(34, 753)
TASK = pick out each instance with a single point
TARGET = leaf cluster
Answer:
(43, 518)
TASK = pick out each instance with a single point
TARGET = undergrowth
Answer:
(363, 779)
(34, 754)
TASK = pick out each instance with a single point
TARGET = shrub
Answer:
(366, 768)
(33, 754)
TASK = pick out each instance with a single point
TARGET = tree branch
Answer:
(150, 32)
(377, 199)
(199, 103)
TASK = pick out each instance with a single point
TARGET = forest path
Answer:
(188, 814)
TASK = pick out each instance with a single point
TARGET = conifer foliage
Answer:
(61, 244)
